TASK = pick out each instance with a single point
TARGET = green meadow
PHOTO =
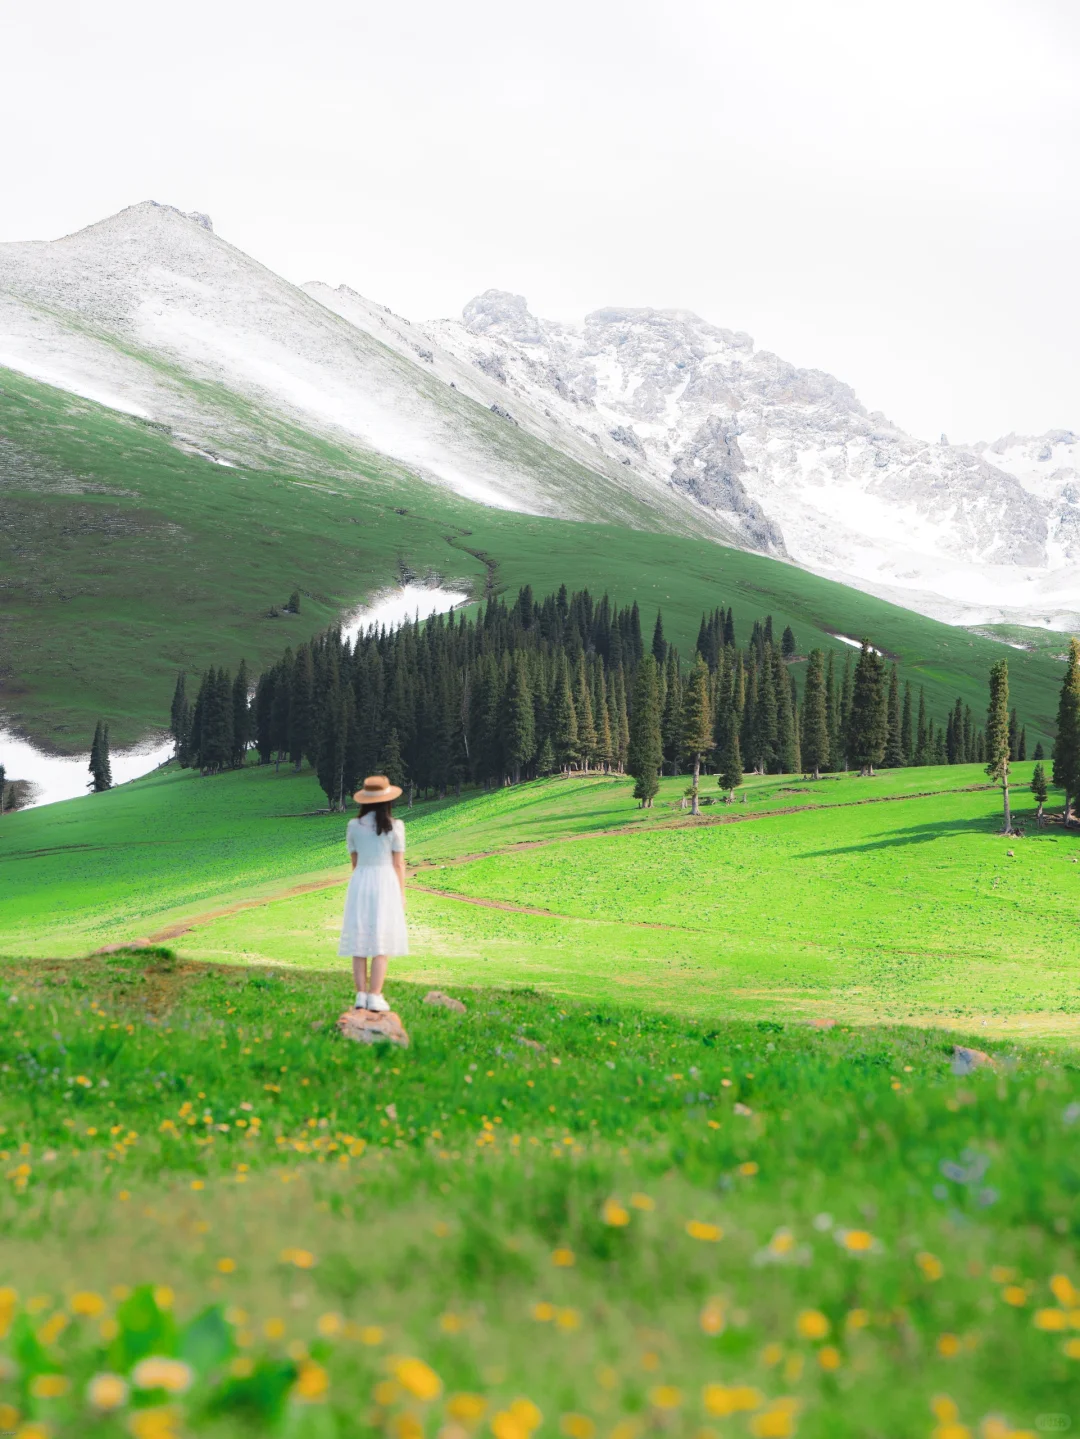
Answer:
(697, 1157)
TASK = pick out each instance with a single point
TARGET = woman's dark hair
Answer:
(384, 815)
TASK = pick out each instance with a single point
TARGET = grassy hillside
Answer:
(123, 559)
(892, 898)
(542, 1219)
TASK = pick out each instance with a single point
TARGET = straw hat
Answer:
(377, 790)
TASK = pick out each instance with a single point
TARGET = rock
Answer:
(532, 1043)
(743, 1109)
(821, 1023)
(368, 1027)
(444, 1001)
(964, 1060)
(1010, 853)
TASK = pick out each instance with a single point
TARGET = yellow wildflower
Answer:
(418, 1379)
(577, 1426)
(642, 1201)
(371, 1334)
(301, 1258)
(812, 1324)
(48, 1386)
(665, 1396)
(749, 1169)
(568, 1319)
(948, 1346)
(944, 1409)
(1015, 1295)
(406, 1426)
(698, 1229)
(1064, 1291)
(615, 1214)
(563, 1258)
(711, 1318)
(157, 1372)
(9, 1417)
(931, 1266)
(330, 1325)
(158, 1423)
(106, 1392)
(312, 1383)
(775, 1423)
(87, 1304)
(1072, 1348)
(1055, 1319)
(466, 1408)
(226, 1266)
(858, 1241)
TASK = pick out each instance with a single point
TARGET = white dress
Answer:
(374, 913)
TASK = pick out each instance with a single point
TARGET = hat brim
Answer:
(378, 796)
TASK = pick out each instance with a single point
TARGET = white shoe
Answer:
(361, 1000)
(378, 1003)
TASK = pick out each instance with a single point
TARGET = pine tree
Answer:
(587, 737)
(697, 724)
(842, 749)
(1066, 751)
(390, 762)
(815, 721)
(906, 730)
(1014, 736)
(659, 644)
(997, 734)
(645, 751)
(832, 711)
(1039, 790)
(241, 716)
(1021, 748)
(332, 735)
(868, 721)
(520, 734)
(100, 766)
(894, 744)
(671, 721)
(787, 642)
(301, 701)
(546, 762)
(564, 726)
(787, 757)
(1040, 753)
(180, 717)
(764, 732)
(922, 732)
(731, 771)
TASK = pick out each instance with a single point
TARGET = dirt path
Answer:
(529, 909)
(174, 931)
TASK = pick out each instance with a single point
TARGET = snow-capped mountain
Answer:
(966, 535)
(641, 417)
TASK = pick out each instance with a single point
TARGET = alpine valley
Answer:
(186, 438)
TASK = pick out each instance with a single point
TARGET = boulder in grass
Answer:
(821, 1023)
(964, 1060)
(367, 1026)
(444, 1001)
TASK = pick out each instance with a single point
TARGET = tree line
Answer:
(567, 682)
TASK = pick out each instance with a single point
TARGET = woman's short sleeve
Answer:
(350, 836)
(397, 839)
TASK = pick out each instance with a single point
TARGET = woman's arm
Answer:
(352, 856)
(399, 870)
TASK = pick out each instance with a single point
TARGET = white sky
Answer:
(886, 191)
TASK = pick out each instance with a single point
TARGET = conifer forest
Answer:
(567, 683)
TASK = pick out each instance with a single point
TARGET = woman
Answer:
(374, 924)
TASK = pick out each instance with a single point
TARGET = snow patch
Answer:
(59, 777)
(855, 644)
(394, 608)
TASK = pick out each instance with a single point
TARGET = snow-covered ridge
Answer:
(647, 417)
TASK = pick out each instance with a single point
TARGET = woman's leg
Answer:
(378, 973)
(359, 972)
